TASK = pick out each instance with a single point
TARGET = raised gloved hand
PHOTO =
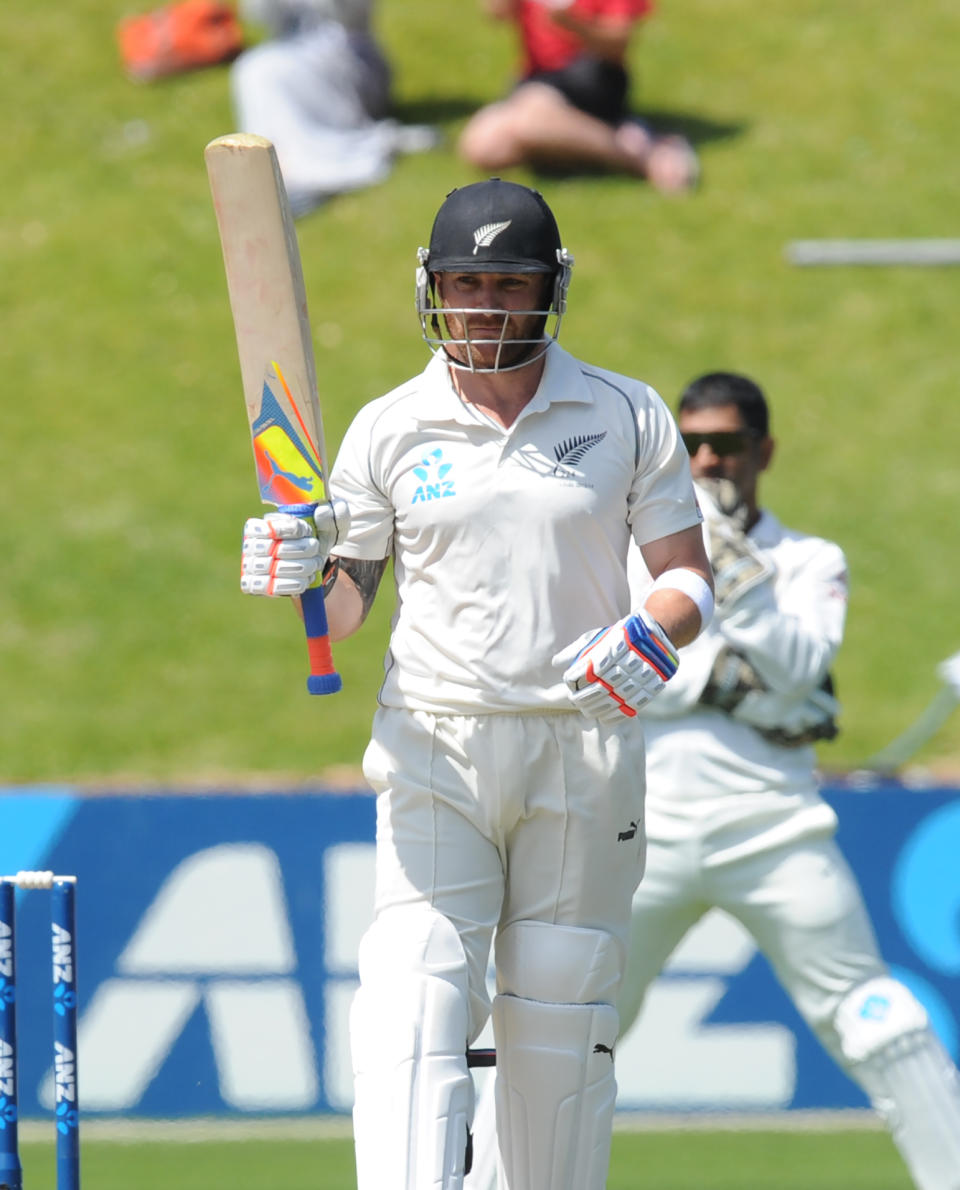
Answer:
(738, 566)
(284, 554)
(617, 670)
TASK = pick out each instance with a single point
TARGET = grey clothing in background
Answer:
(320, 90)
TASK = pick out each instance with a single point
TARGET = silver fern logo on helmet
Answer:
(484, 236)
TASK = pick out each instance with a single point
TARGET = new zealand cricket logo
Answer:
(570, 452)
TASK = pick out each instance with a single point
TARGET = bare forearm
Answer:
(349, 600)
(676, 611)
(676, 614)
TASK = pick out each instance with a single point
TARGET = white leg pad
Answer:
(555, 1091)
(559, 964)
(891, 1051)
(555, 1027)
(408, 1033)
(483, 1175)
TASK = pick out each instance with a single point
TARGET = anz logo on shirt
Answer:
(433, 472)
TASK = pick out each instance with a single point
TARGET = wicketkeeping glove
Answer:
(618, 670)
(789, 720)
(738, 566)
(285, 554)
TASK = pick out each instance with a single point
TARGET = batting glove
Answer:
(619, 669)
(285, 554)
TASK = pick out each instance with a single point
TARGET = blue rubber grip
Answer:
(323, 678)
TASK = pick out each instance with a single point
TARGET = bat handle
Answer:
(323, 678)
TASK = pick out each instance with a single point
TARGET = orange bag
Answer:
(182, 36)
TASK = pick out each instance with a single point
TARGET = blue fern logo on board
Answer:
(433, 472)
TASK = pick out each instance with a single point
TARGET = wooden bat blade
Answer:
(261, 259)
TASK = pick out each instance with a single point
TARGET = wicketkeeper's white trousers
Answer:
(800, 901)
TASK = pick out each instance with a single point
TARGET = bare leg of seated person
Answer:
(537, 126)
(667, 161)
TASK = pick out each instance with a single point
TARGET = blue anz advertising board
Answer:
(217, 948)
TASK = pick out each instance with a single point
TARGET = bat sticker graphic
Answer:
(288, 469)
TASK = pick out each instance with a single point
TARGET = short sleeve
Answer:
(662, 498)
(371, 511)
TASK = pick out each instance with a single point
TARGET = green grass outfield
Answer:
(690, 1159)
(127, 652)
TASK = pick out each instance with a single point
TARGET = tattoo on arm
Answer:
(365, 576)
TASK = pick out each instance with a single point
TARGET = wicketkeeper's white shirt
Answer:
(508, 544)
(714, 777)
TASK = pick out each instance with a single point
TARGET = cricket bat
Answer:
(261, 258)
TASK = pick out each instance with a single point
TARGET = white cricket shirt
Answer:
(712, 776)
(508, 544)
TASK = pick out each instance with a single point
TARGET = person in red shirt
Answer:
(569, 108)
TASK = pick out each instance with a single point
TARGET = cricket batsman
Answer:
(505, 482)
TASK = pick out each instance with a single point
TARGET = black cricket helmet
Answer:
(493, 227)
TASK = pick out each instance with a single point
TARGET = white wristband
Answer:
(690, 584)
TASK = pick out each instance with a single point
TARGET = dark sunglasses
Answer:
(722, 442)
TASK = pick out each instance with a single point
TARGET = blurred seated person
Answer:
(569, 108)
(319, 88)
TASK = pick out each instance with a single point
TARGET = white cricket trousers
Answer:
(800, 901)
(499, 818)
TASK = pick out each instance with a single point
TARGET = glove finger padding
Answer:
(621, 668)
(595, 702)
(278, 526)
(267, 547)
(281, 555)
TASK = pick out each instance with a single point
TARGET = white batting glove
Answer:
(285, 554)
(331, 520)
(617, 670)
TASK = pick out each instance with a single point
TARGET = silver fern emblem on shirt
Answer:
(570, 451)
(484, 236)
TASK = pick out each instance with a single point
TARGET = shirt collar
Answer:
(562, 380)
